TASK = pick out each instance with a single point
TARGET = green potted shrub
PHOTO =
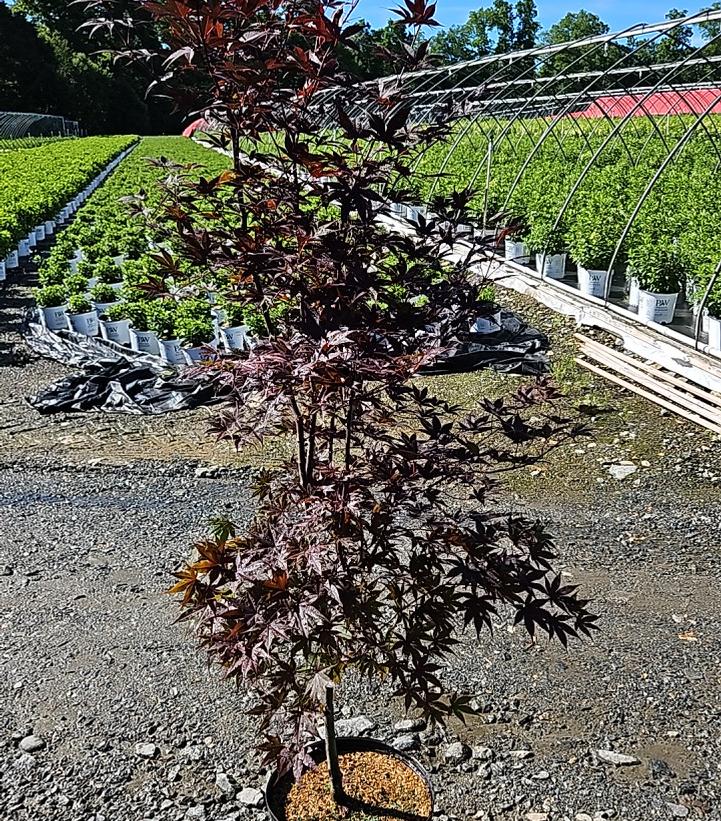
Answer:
(548, 244)
(488, 320)
(142, 339)
(197, 335)
(514, 236)
(115, 324)
(660, 268)
(162, 317)
(103, 296)
(75, 284)
(109, 273)
(52, 272)
(52, 299)
(83, 318)
(232, 328)
(591, 246)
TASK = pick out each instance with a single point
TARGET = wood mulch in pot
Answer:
(378, 785)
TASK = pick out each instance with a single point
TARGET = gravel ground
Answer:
(107, 711)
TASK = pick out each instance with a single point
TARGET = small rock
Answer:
(660, 769)
(457, 753)
(26, 761)
(541, 775)
(583, 816)
(409, 725)
(196, 813)
(537, 816)
(32, 744)
(406, 742)
(483, 753)
(6, 570)
(622, 471)
(146, 750)
(520, 755)
(617, 759)
(677, 810)
(604, 815)
(223, 783)
(355, 726)
(250, 797)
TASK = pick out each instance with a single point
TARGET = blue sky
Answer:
(616, 13)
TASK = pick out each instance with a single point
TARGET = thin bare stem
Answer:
(331, 749)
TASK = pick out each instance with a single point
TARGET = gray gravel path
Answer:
(131, 725)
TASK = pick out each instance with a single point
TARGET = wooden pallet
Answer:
(652, 382)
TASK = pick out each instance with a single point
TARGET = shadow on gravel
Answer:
(15, 301)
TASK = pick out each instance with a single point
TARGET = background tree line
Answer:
(48, 66)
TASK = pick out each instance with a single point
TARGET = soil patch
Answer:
(379, 786)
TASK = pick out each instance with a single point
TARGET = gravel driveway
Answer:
(107, 711)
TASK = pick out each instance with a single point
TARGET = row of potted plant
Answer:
(566, 199)
(99, 278)
(43, 186)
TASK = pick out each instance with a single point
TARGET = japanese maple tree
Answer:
(375, 543)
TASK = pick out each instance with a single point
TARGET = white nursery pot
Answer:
(551, 266)
(193, 355)
(117, 331)
(656, 307)
(172, 352)
(592, 281)
(714, 333)
(86, 324)
(144, 342)
(517, 252)
(705, 320)
(11, 260)
(3, 273)
(119, 260)
(116, 286)
(236, 338)
(32, 239)
(49, 227)
(633, 289)
(487, 324)
(102, 307)
(40, 232)
(55, 319)
(23, 248)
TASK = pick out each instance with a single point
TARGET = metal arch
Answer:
(649, 187)
(584, 92)
(472, 122)
(607, 141)
(704, 299)
(556, 50)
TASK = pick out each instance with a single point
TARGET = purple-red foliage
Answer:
(375, 543)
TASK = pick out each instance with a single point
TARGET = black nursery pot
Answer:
(278, 787)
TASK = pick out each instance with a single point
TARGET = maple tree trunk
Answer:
(331, 751)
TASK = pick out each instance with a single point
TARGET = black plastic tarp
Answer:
(515, 348)
(113, 378)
